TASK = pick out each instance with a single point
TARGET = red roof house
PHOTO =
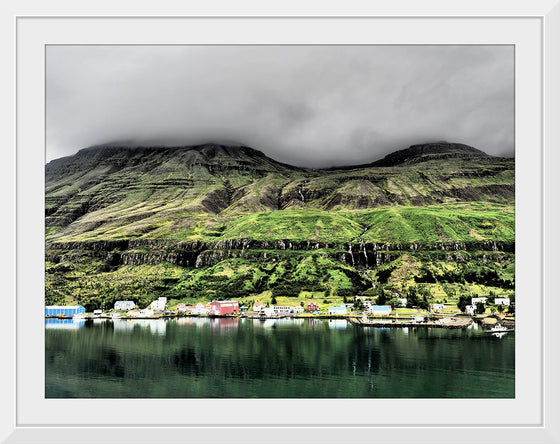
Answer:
(312, 306)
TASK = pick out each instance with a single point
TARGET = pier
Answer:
(449, 323)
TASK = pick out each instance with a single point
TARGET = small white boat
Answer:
(499, 328)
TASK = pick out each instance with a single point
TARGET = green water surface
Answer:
(231, 358)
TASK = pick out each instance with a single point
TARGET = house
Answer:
(222, 308)
(437, 308)
(201, 309)
(382, 310)
(367, 304)
(267, 311)
(282, 309)
(469, 309)
(147, 312)
(243, 308)
(125, 305)
(313, 306)
(502, 301)
(337, 310)
(258, 306)
(134, 313)
(159, 305)
(298, 309)
(97, 312)
(475, 301)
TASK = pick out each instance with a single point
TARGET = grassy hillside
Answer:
(215, 222)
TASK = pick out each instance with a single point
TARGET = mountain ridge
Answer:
(396, 157)
(104, 188)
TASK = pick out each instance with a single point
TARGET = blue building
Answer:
(380, 310)
(63, 310)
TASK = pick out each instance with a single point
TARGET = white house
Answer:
(268, 311)
(147, 312)
(258, 306)
(469, 309)
(475, 301)
(337, 310)
(438, 307)
(501, 301)
(282, 309)
(367, 304)
(125, 305)
(380, 310)
(201, 309)
(159, 305)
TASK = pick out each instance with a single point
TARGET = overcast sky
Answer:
(313, 106)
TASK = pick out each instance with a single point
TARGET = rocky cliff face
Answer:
(203, 254)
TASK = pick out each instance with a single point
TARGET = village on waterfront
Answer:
(490, 313)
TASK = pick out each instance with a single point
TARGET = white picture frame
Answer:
(530, 418)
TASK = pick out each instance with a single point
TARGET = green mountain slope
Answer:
(158, 220)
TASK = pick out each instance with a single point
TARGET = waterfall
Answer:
(351, 255)
(365, 253)
(301, 195)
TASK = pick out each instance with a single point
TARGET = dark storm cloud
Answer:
(305, 105)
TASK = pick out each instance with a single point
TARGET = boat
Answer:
(499, 328)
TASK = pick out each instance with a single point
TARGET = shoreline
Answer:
(454, 322)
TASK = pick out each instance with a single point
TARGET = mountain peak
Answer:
(429, 151)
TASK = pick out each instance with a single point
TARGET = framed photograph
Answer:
(299, 226)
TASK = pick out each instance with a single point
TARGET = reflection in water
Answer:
(122, 325)
(223, 323)
(71, 324)
(274, 323)
(155, 326)
(274, 358)
(338, 323)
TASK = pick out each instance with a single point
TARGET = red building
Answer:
(313, 306)
(220, 308)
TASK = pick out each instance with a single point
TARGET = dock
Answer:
(451, 323)
(508, 330)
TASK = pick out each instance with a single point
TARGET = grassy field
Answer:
(446, 223)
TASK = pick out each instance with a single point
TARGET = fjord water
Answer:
(286, 358)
